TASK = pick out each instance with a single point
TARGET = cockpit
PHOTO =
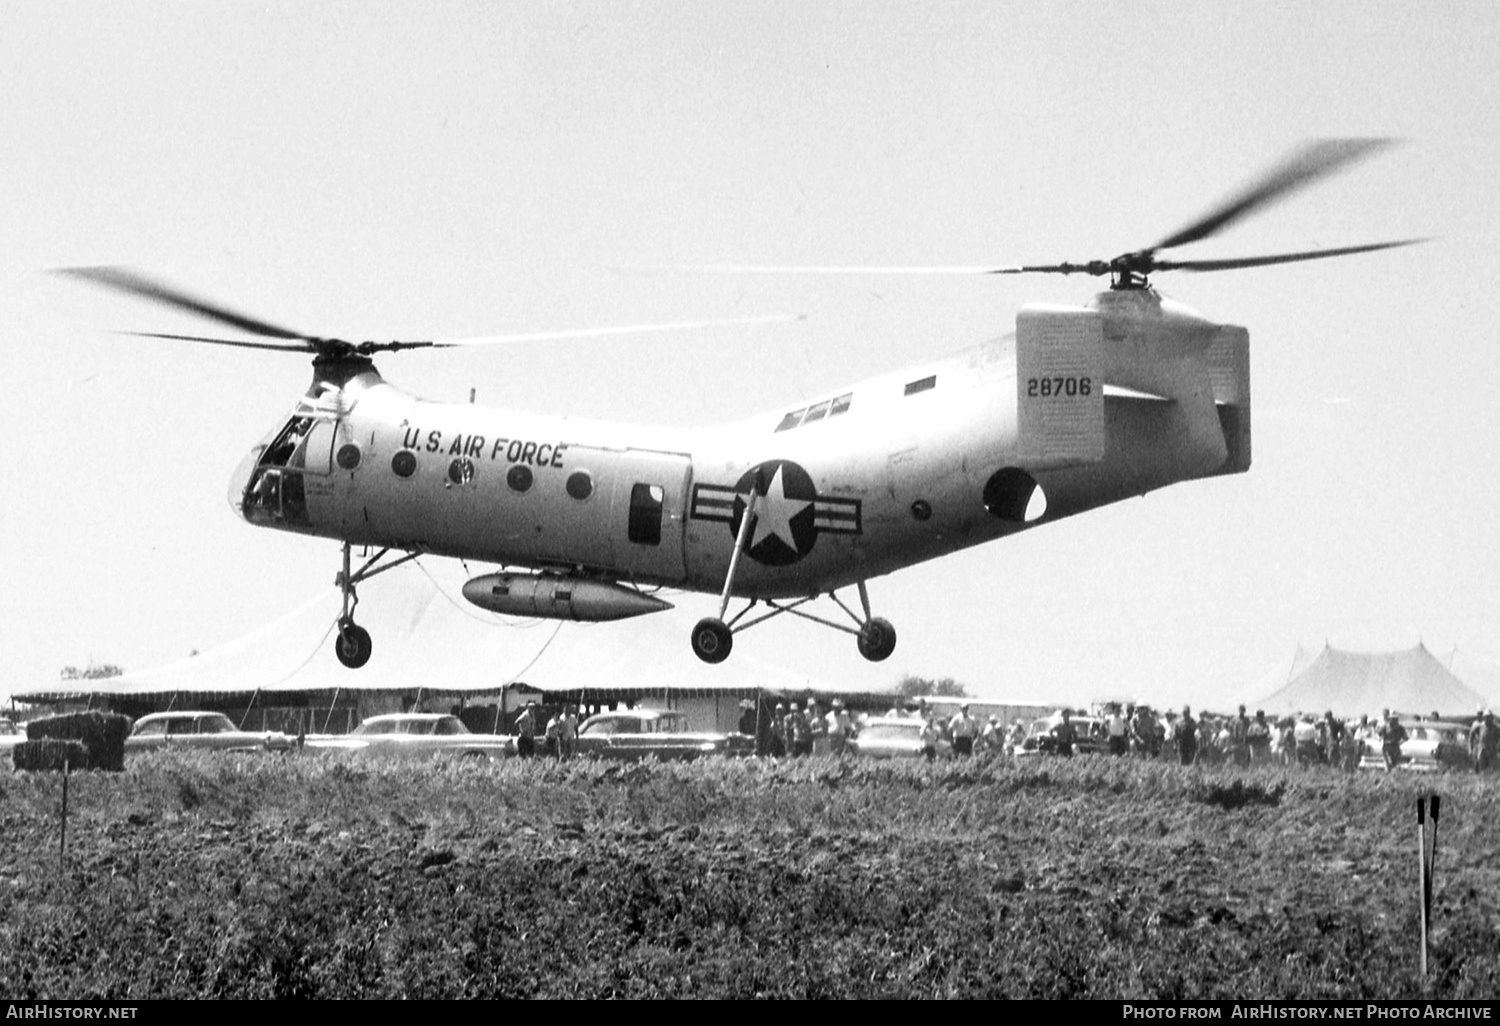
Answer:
(269, 486)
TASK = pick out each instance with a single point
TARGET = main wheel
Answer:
(353, 645)
(877, 640)
(712, 640)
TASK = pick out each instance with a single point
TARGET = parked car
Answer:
(10, 736)
(1430, 745)
(894, 737)
(663, 733)
(207, 730)
(416, 735)
(1089, 736)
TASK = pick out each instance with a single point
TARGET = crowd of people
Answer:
(788, 729)
(794, 731)
(1122, 729)
(1302, 740)
(558, 733)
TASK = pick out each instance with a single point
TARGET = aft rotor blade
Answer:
(823, 269)
(1316, 160)
(632, 329)
(1280, 258)
(1094, 267)
(123, 279)
(240, 343)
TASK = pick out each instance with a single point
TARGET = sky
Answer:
(418, 170)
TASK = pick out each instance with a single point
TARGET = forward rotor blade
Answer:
(122, 279)
(632, 329)
(1280, 258)
(1316, 160)
(303, 349)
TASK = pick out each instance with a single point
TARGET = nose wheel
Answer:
(353, 645)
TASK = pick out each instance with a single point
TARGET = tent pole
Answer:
(331, 703)
(246, 718)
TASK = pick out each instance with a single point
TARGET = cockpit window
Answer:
(279, 452)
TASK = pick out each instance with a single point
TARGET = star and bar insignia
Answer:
(789, 514)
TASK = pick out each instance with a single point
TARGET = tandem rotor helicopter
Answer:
(1078, 408)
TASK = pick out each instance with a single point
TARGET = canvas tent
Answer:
(1481, 674)
(1409, 682)
(428, 639)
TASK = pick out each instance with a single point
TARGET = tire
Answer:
(877, 640)
(353, 645)
(712, 640)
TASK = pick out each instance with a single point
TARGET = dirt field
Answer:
(189, 876)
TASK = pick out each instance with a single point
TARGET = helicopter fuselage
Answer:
(1078, 408)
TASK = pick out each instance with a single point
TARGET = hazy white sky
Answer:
(451, 169)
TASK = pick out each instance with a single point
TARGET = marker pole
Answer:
(1422, 879)
(1432, 855)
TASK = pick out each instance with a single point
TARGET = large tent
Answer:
(1411, 681)
(428, 638)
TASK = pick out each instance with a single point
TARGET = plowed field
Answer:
(303, 876)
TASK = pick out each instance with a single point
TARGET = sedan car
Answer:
(10, 736)
(416, 735)
(663, 733)
(1430, 745)
(207, 730)
(894, 737)
(1089, 736)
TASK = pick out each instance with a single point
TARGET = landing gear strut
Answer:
(713, 637)
(353, 645)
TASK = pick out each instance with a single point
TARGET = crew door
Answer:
(649, 508)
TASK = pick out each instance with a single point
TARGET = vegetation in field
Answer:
(297, 876)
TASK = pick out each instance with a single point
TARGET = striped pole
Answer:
(1422, 878)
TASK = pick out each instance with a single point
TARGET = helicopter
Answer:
(1077, 408)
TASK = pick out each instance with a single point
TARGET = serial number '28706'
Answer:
(1046, 388)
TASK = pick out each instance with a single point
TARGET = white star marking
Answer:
(774, 513)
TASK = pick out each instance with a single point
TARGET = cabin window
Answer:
(580, 485)
(646, 501)
(519, 478)
(404, 463)
(812, 414)
(817, 412)
(461, 471)
(921, 385)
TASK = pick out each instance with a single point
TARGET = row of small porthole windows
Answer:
(461, 471)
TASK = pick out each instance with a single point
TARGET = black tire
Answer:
(712, 640)
(353, 645)
(877, 640)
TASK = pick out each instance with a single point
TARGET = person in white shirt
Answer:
(963, 728)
